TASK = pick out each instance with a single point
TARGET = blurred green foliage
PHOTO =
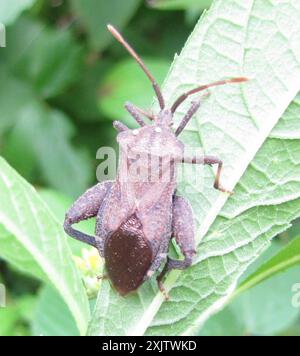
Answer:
(62, 82)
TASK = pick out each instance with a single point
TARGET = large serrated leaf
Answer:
(33, 241)
(235, 123)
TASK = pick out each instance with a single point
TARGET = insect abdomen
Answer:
(128, 256)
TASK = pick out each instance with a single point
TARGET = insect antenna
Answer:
(184, 96)
(124, 43)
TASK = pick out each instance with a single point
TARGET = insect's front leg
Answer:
(208, 160)
(184, 233)
(189, 115)
(86, 207)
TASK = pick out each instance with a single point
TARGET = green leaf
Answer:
(95, 14)
(50, 60)
(126, 82)
(293, 330)
(33, 129)
(225, 323)
(57, 202)
(30, 146)
(179, 4)
(81, 101)
(52, 316)
(16, 316)
(288, 257)
(235, 123)
(14, 97)
(264, 310)
(20, 37)
(292, 232)
(9, 317)
(245, 309)
(32, 240)
(289, 126)
(10, 10)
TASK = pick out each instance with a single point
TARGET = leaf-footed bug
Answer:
(136, 218)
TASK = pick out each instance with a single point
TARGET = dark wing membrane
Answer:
(128, 256)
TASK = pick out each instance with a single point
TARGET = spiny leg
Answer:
(86, 207)
(184, 233)
(209, 160)
(159, 259)
(160, 278)
(189, 115)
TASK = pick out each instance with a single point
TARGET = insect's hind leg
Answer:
(159, 259)
(184, 234)
(86, 207)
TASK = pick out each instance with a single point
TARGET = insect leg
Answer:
(184, 234)
(189, 115)
(159, 259)
(86, 207)
(209, 160)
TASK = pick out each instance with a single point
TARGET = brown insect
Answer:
(136, 219)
